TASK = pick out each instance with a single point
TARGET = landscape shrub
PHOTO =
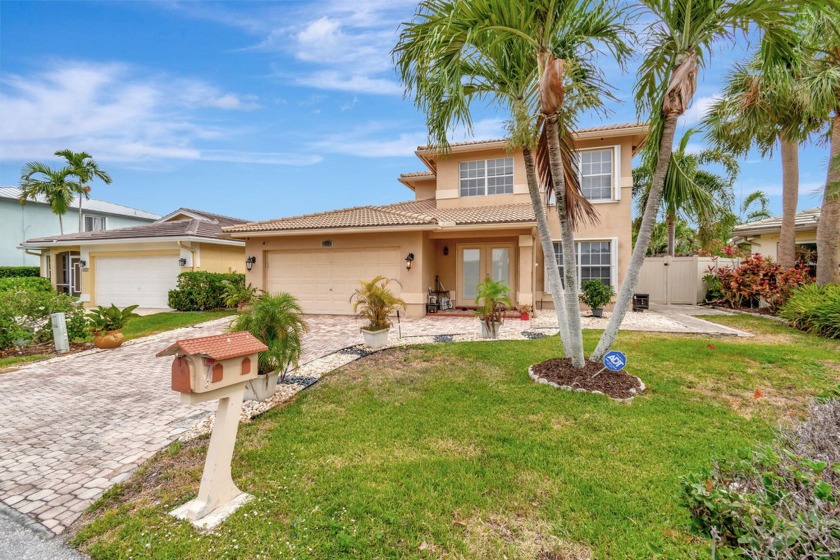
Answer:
(25, 283)
(19, 271)
(815, 309)
(25, 315)
(203, 291)
(781, 502)
(758, 279)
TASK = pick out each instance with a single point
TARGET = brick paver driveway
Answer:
(72, 427)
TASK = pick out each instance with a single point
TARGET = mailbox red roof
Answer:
(217, 347)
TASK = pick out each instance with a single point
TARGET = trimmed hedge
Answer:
(25, 283)
(815, 309)
(19, 271)
(202, 291)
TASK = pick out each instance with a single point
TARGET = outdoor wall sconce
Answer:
(249, 263)
(408, 259)
(182, 262)
(82, 263)
(445, 250)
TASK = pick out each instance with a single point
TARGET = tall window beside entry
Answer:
(485, 177)
(594, 261)
(596, 174)
(94, 223)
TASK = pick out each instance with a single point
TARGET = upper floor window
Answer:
(489, 176)
(597, 171)
(94, 223)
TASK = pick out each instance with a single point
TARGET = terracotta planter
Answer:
(109, 340)
(376, 339)
(524, 316)
(262, 387)
(492, 332)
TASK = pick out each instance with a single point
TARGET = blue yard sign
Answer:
(615, 361)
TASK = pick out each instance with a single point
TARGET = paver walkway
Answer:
(72, 427)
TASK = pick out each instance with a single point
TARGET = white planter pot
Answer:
(492, 332)
(376, 339)
(262, 387)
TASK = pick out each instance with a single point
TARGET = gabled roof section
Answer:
(92, 205)
(805, 220)
(202, 226)
(416, 214)
(217, 347)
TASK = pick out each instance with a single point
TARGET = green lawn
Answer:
(452, 451)
(10, 361)
(167, 321)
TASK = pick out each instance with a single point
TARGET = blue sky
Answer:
(216, 105)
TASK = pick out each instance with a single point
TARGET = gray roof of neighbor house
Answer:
(413, 213)
(195, 223)
(91, 205)
(805, 220)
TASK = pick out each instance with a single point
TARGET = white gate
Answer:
(678, 280)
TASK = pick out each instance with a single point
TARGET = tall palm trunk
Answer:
(790, 195)
(671, 222)
(828, 228)
(553, 272)
(81, 220)
(61, 224)
(567, 236)
(625, 293)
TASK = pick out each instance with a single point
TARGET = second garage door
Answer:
(323, 281)
(137, 280)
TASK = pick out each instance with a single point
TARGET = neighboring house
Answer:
(471, 217)
(763, 235)
(139, 265)
(35, 219)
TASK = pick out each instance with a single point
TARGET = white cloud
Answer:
(115, 113)
(699, 107)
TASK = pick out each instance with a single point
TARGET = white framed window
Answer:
(94, 223)
(596, 260)
(600, 173)
(486, 177)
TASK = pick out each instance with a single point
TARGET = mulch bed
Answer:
(45, 348)
(614, 384)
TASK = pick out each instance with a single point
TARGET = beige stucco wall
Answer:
(768, 243)
(221, 258)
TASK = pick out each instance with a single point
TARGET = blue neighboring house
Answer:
(19, 222)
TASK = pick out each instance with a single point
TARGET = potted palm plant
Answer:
(106, 324)
(277, 321)
(596, 295)
(492, 300)
(374, 302)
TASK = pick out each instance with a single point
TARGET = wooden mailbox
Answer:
(213, 362)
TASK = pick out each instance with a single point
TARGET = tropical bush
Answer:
(596, 294)
(107, 319)
(277, 321)
(782, 501)
(239, 295)
(12, 283)
(815, 309)
(759, 280)
(374, 302)
(492, 300)
(203, 291)
(19, 271)
(25, 311)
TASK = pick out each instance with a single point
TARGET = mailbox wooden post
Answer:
(215, 368)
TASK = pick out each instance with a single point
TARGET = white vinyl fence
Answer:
(678, 280)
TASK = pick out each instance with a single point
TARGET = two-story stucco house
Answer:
(35, 219)
(471, 217)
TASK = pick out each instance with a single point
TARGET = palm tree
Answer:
(535, 50)
(681, 35)
(85, 169)
(749, 212)
(53, 184)
(698, 194)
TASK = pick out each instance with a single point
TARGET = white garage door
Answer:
(323, 281)
(143, 281)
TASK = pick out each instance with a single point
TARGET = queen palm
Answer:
(690, 190)
(54, 185)
(85, 169)
(536, 50)
(680, 36)
(755, 206)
